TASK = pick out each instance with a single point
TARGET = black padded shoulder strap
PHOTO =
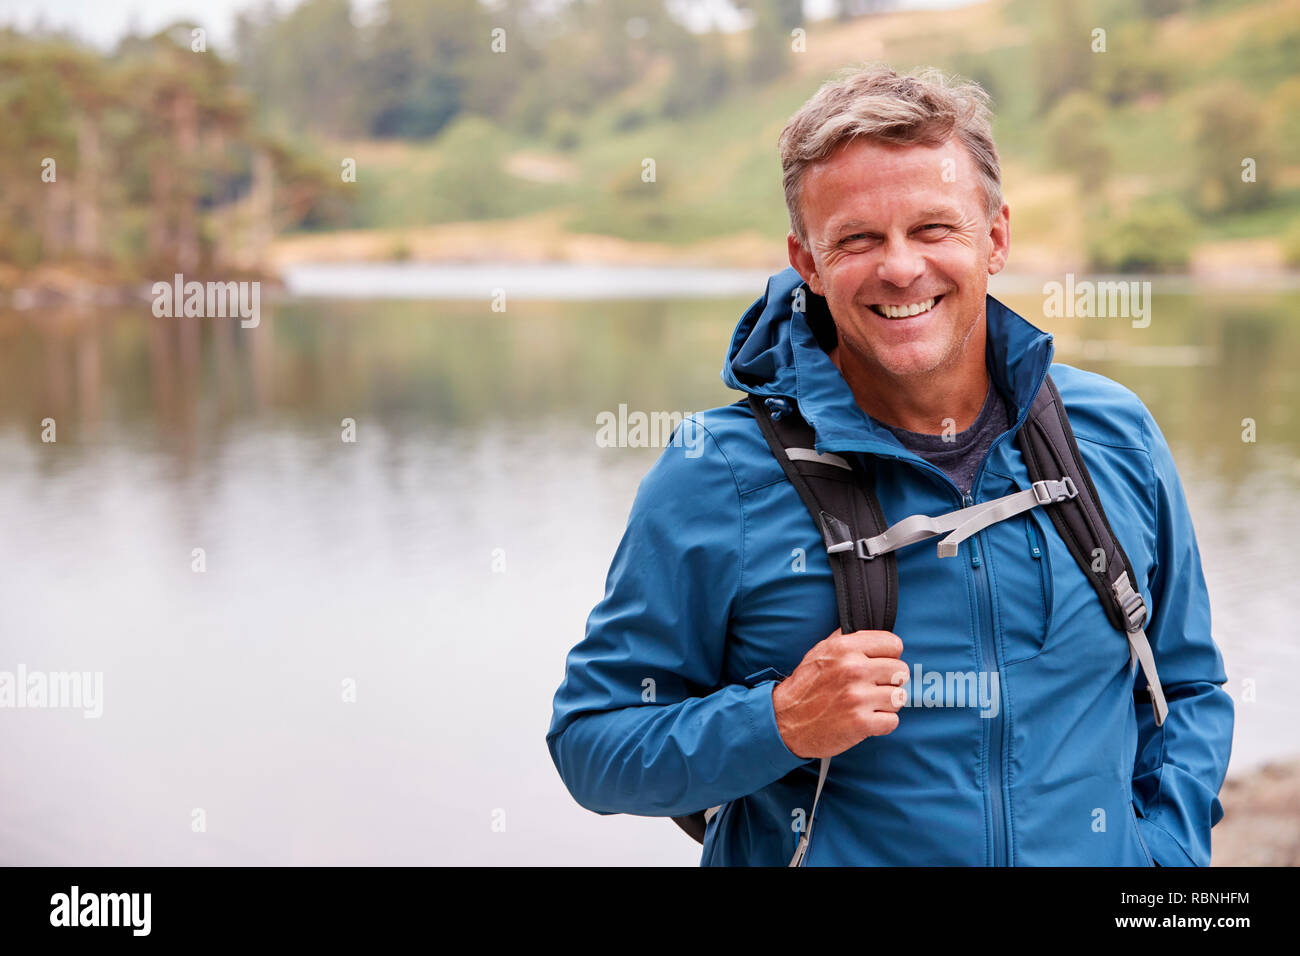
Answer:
(1048, 445)
(1050, 451)
(842, 502)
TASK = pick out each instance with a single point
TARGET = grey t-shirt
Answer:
(960, 456)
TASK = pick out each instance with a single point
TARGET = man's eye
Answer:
(934, 225)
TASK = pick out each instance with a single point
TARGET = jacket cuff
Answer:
(764, 735)
(1162, 846)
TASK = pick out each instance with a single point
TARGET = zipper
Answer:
(1035, 552)
(988, 643)
(988, 655)
(988, 648)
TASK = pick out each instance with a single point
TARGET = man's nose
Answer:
(900, 265)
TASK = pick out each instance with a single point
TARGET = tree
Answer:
(1064, 53)
(1076, 141)
(1226, 130)
(770, 36)
(151, 147)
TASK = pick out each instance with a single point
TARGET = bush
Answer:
(1291, 246)
(630, 119)
(1153, 237)
(562, 130)
(1076, 141)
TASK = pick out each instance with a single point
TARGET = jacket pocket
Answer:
(1132, 809)
(1022, 569)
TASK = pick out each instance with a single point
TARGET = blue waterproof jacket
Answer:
(721, 584)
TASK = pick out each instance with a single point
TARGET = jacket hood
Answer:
(780, 351)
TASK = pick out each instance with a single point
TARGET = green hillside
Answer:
(1113, 149)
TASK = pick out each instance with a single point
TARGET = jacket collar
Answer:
(779, 349)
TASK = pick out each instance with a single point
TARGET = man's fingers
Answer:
(875, 643)
(881, 699)
(887, 671)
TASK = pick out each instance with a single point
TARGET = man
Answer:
(712, 673)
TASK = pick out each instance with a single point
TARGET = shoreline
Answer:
(1261, 817)
(56, 287)
(539, 242)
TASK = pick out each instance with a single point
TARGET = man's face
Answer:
(901, 252)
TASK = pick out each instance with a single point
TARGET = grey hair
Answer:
(876, 103)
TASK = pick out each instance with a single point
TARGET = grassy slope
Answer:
(717, 194)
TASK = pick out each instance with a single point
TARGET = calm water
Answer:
(373, 561)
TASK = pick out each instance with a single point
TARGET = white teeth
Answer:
(903, 311)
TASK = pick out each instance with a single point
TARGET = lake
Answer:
(362, 671)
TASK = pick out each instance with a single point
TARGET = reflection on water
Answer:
(373, 561)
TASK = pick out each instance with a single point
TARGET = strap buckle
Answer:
(1051, 489)
(1130, 602)
(858, 547)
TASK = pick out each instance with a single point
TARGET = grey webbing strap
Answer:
(824, 458)
(960, 524)
(802, 848)
(1139, 651)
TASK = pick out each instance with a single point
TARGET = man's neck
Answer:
(948, 398)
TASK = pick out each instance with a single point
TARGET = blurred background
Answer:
(387, 170)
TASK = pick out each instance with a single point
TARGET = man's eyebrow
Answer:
(939, 212)
(849, 224)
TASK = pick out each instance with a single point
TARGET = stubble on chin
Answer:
(903, 363)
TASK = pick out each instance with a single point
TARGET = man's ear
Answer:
(803, 263)
(1000, 238)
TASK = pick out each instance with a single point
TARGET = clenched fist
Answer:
(847, 688)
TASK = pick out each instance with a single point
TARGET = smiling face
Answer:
(902, 254)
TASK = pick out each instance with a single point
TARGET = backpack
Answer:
(841, 500)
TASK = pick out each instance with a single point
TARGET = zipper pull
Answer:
(1034, 550)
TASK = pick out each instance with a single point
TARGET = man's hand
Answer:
(846, 689)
